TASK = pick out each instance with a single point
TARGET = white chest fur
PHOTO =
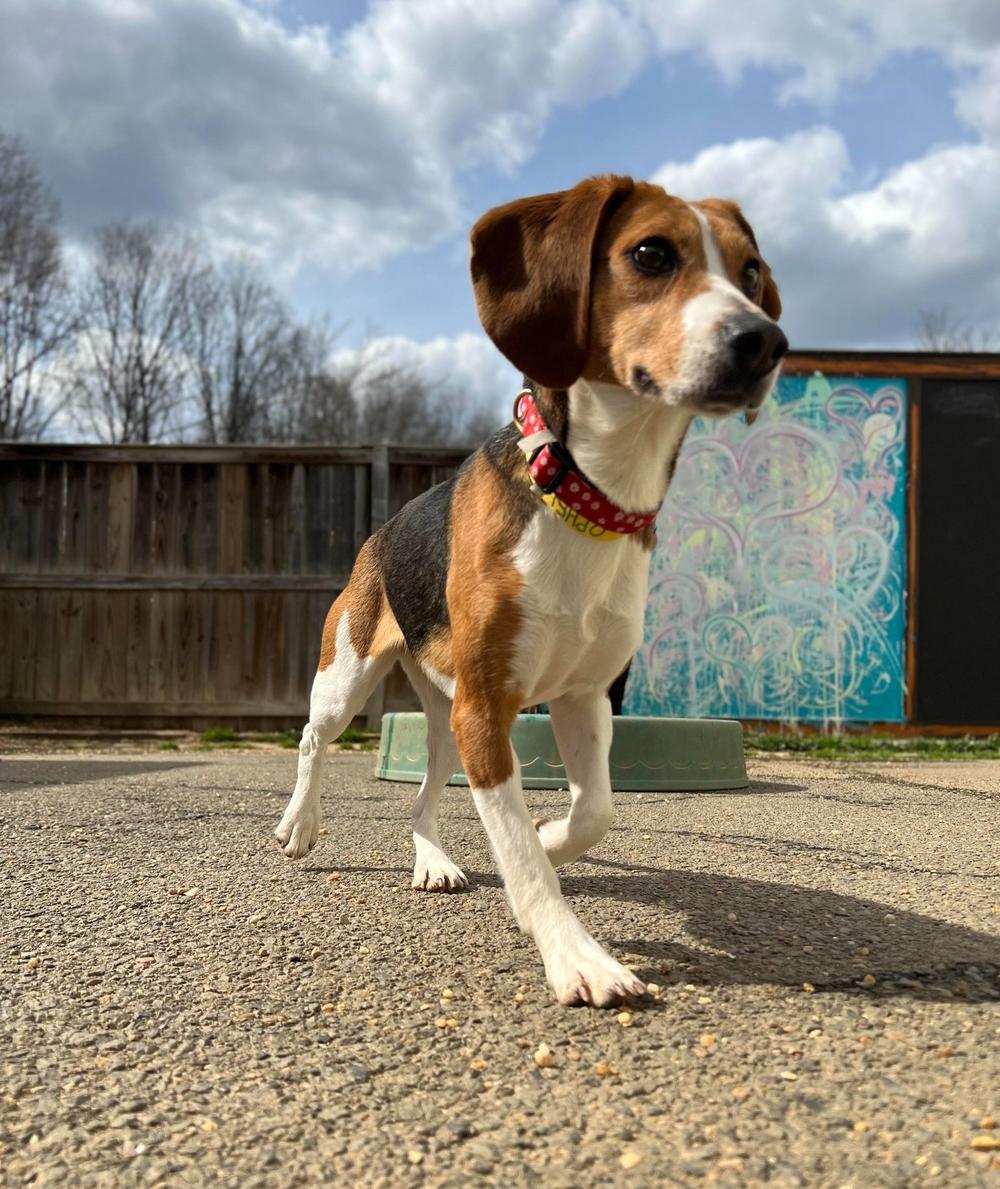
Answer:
(583, 603)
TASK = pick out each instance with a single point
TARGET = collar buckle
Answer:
(562, 456)
(517, 405)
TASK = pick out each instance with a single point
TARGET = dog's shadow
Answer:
(747, 931)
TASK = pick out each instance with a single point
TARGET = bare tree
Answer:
(940, 330)
(396, 406)
(316, 404)
(131, 373)
(36, 317)
(245, 347)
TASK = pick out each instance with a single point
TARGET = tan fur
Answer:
(737, 244)
(484, 591)
(370, 621)
(437, 653)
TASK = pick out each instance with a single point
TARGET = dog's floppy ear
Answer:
(770, 300)
(531, 267)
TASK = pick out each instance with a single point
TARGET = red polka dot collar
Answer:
(561, 484)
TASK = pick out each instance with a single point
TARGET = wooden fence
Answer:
(184, 585)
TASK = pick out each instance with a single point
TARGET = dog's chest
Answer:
(582, 608)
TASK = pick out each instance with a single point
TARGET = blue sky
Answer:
(351, 145)
(671, 110)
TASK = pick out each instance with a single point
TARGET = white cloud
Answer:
(342, 150)
(466, 368)
(856, 268)
(296, 144)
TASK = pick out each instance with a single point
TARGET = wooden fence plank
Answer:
(97, 494)
(180, 583)
(7, 602)
(45, 645)
(150, 582)
(231, 520)
(137, 648)
(69, 628)
(121, 498)
(24, 617)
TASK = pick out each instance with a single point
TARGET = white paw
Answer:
(554, 836)
(297, 832)
(437, 873)
(580, 971)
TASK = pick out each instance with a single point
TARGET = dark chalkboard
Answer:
(958, 553)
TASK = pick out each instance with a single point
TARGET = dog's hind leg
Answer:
(433, 871)
(361, 640)
(582, 727)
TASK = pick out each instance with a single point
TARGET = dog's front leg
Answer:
(582, 726)
(578, 969)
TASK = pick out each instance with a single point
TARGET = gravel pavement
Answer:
(181, 1006)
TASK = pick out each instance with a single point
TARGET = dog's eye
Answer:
(655, 256)
(751, 277)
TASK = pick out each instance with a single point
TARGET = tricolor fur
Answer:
(630, 311)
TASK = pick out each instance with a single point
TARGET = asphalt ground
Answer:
(182, 1006)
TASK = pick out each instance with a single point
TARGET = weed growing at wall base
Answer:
(874, 747)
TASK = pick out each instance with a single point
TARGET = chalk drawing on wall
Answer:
(777, 584)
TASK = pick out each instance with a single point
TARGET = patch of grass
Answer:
(875, 747)
(168, 745)
(352, 735)
(219, 735)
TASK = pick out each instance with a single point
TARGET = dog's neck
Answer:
(624, 443)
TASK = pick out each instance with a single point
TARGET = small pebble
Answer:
(624, 1018)
(604, 1070)
(987, 1123)
(415, 1156)
(786, 1075)
(629, 1159)
(868, 980)
(327, 1007)
(544, 1057)
(708, 1039)
(808, 988)
(33, 963)
(985, 1143)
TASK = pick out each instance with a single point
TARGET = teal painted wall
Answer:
(777, 584)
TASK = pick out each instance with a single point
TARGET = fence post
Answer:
(379, 515)
(380, 486)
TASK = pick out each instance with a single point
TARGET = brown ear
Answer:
(770, 300)
(531, 266)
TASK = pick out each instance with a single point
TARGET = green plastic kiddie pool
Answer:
(647, 754)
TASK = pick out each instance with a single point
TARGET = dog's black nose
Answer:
(756, 344)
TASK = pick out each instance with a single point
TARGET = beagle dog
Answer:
(523, 579)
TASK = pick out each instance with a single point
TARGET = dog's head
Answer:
(618, 281)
